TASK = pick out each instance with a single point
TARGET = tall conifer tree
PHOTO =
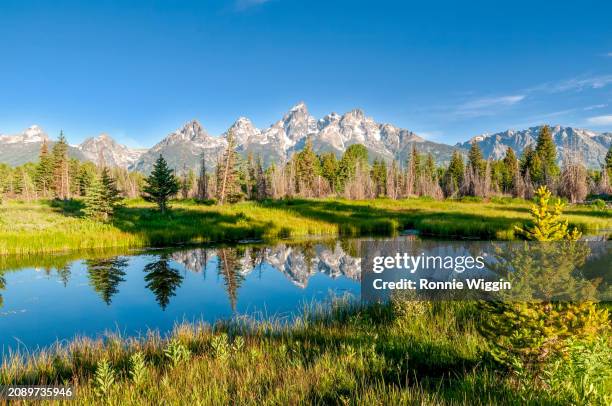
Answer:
(161, 185)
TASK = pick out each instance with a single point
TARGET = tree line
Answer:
(310, 175)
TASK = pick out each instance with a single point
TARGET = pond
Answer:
(55, 297)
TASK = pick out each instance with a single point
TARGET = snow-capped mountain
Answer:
(589, 145)
(183, 148)
(18, 149)
(30, 135)
(103, 149)
(277, 143)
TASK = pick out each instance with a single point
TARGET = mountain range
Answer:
(185, 147)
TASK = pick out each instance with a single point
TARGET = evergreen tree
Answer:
(96, 206)
(510, 164)
(608, 163)
(379, 177)
(476, 160)
(356, 155)
(112, 196)
(161, 185)
(86, 173)
(453, 178)
(307, 169)
(228, 176)
(263, 190)
(430, 167)
(203, 180)
(329, 169)
(61, 168)
(547, 154)
(44, 170)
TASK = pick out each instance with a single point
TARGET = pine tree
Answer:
(453, 177)
(262, 181)
(161, 185)
(329, 169)
(307, 170)
(476, 160)
(608, 163)
(95, 203)
(61, 168)
(203, 180)
(379, 176)
(228, 178)
(112, 196)
(44, 170)
(510, 170)
(547, 153)
(355, 156)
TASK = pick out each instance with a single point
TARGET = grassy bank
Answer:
(415, 353)
(43, 226)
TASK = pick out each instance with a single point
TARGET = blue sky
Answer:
(445, 69)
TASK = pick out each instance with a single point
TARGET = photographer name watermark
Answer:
(479, 270)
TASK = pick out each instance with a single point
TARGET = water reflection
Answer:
(51, 297)
(162, 280)
(105, 275)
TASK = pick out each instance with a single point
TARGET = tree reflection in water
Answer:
(105, 274)
(162, 280)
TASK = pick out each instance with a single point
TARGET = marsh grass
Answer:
(343, 354)
(48, 226)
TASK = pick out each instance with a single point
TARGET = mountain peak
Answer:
(31, 134)
(300, 106)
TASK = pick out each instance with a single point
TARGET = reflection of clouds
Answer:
(13, 312)
(297, 262)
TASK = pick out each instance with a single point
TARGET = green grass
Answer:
(415, 353)
(42, 226)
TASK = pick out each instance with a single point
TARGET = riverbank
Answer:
(48, 226)
(401, 353)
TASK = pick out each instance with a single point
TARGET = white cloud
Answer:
(245, 4)
(609, 54)
(600, 120)
(574, 84)
(487, 105)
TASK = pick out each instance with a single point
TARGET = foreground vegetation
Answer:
(51, 226)
(400, 353)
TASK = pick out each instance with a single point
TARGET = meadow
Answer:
(398, 353)
(54, 226)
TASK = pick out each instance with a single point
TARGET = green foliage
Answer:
(102, 197)
(354, 156)
(221, 347)
(104, 377)
(306, 169)
(379, 176)
(229, 189)
(475, 159)
(527, 336)
(547, 153)
(329, 169)
(583, 374)
(138, 368)
(547, 224)
(177, 352)
(161, 185)
(96, 206)
(510, 170)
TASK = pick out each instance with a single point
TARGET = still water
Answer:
(51, 298)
